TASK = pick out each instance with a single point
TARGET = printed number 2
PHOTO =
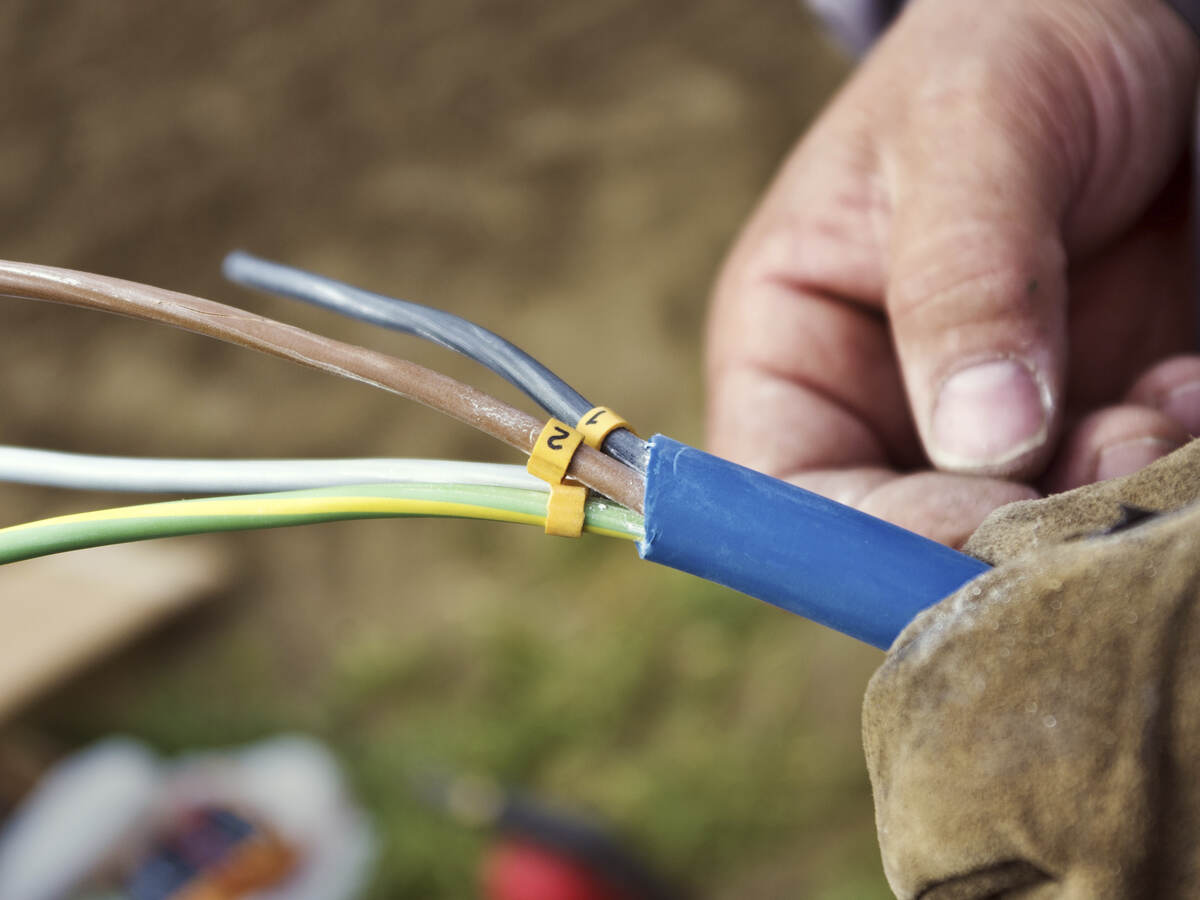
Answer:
(555, 441)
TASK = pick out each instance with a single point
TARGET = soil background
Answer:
(570, 176)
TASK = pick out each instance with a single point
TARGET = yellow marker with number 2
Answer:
(549, 460)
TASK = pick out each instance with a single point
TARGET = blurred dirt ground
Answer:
(567, 174)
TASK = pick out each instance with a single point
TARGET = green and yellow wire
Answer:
(277, 510)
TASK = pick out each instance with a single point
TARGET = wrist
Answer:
(1189, 11)
(857, 23)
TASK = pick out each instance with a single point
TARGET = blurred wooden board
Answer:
(60, 613)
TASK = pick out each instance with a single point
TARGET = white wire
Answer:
(80, 471)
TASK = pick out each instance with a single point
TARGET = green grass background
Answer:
(569, 175)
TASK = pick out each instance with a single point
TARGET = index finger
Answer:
(801, 370)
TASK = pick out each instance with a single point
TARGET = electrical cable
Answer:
(703, 515)
(544, 387)
(468, 405)
(277, 510)
(798, 550)
(85, 471)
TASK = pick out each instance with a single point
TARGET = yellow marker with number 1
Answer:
(598, 423)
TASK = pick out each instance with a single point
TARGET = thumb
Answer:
(977, 299)
(993, 153)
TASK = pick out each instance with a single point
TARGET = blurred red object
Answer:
(525, 871)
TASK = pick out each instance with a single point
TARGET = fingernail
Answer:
(1128, 457)
(988, 414)
(1183, 405)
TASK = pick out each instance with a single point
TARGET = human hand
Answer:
(1037, 734)
(977, 264)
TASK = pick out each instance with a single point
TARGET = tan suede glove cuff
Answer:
(1037, 734)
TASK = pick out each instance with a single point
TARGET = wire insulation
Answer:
(277, 510)
(83, 471)
(800, 551)
(507, 360)
(245, 329)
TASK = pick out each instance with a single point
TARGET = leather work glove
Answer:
(1037, 733)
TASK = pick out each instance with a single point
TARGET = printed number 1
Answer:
(596, 416)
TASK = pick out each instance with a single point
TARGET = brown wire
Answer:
(227, 323)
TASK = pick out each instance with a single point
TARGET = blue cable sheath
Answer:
(440, 327)
(790, 547)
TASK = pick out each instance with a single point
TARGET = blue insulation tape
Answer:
(790, 547)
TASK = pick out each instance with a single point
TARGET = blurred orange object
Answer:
(261, 862)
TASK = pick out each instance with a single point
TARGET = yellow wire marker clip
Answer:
(549, 460)
(597, 423)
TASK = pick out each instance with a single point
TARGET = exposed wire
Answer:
(277, 510)
(227, 323)
(83, 471)
(544, 387)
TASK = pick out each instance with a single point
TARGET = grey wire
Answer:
(446, 329)
(49, 468)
